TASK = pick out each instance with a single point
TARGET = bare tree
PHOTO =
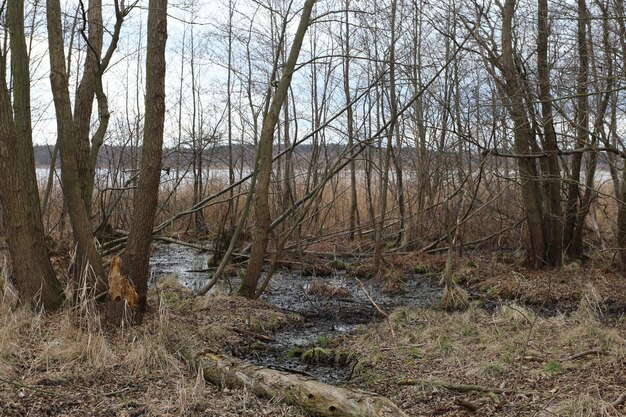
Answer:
(89, 262)
(33, 275)
(261, 196)
(136, 257)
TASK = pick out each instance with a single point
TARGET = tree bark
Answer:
(136, 257)
(89, 262)
(313, 396)
(553, 219)
(523, 134)
(84, 98)
(33, 275)
(355, 221)
(261, 232)
(621, 201)
(392, 131)
(573, 247)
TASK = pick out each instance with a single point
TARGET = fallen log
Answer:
(312, 396)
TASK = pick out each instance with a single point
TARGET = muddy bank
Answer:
(289, 289)
(325, 318)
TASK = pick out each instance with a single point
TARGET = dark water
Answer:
(324, 318)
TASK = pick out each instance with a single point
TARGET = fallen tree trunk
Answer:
(311, 395)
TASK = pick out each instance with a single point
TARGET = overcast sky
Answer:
(124, 80)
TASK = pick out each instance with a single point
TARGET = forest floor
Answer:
(548, 343)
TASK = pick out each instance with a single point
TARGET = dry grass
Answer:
(322, 289)
(329, 216)
(71, 363)
(67, 346)
(237, 312)
(512, 349)
(150, 351)
(499, 279)
(394, 287)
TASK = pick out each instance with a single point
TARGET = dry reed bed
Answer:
(328, 217)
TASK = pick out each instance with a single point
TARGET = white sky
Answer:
(124, 80)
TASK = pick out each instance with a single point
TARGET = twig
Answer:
(33, 388)
(254, 335)
(112, 393)
(367, 294)
(619, 401)
(585, 353)
(385, 349)
(459, 387)
(467, 404)
(181, 243)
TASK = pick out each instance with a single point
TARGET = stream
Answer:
(324, 318)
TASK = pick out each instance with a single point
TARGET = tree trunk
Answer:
(311, 395)
(573, 247)
(355, 223)
(136, 257)
(553, 219)
(84, 98)
(391, 133)
(523, 134)
(33, 275)
(88, 258)
(261, 232)
(621, 201)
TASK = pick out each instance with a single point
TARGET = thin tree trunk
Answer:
(523, 134)
(621, 201)
(136, 257)
(392, 132)
(582, 136)
(554, 217)
(88, 258)
(355, 223)
(84, 97)
(261, 196)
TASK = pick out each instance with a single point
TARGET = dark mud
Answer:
(324, 318)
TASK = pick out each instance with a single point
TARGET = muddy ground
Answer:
(530, 344)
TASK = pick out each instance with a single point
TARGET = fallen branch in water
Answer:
(385, 315)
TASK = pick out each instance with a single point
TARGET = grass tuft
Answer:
(149, 351)
(590, 307)
(585, 405)
(514, 313)
(71, 345)
(322, 289)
